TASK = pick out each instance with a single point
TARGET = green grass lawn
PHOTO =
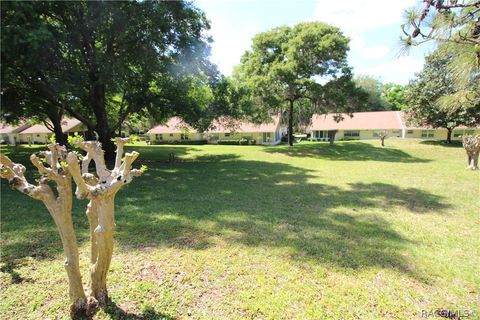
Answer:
(352, 231)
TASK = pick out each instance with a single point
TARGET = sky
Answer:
(373, 27)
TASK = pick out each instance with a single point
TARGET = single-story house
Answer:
(174, 130)
(39, 133)
(10, 134)
(367, 125)
(267, 133)
(177, 130)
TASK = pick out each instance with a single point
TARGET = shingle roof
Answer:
(68, 124)
(8, 128)
(242, 126)
(175, 125)
(377, 120)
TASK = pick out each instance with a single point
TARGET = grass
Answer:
(352, 231)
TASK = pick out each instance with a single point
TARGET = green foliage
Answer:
(76, 138)
(181, 142)
(143, 167)
(373, 88)
(424, 95)
(242, 142)
(52, 138)
(103, 61)
(394, 96)
(133, 138)
(287, 64)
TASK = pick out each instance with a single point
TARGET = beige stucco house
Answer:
(40, 134)
(367, 125)
(9, 134)
(176, 129)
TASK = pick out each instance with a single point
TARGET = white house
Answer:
(39, 133)
(10, 134)
(222, 129)
(367, 125)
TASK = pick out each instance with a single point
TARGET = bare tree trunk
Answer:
(290, 123)
(101, 190)
(472, 147)
(103, 239)
(60, 208)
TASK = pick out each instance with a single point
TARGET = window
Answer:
(460, 133)
(159, 137)
(457, 134)
(428, 133)
(409, 131)
(171, 134)
(227, 134)
(352, 133)
(184, 136)
(266, 136)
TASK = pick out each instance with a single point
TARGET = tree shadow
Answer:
(9, 266)
(348, 151)
(442, 143)
(190, 204)
(116, 312)
(273, 205)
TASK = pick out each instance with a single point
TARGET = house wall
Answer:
(35, 138)
(170, 137)
(274, 137)
(439, 134)
(363, 134)
(10, 138)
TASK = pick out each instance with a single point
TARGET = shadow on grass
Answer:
(346, 151)
(442, 143)
(117, 313)
(272, 205)
(191, 204)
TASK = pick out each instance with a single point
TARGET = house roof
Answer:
(376, 120)
(8, 128)
(68, 125)
(173, 125)
(176, 124)
(226, 125)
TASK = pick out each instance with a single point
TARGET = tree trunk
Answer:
(60, 136)
(105, 137)
(449, 135)
(61, 214)
(102, 207)
(383, 141)
(472, 160)
(290, 124)
(331, 136)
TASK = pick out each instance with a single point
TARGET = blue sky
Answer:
(372, 25)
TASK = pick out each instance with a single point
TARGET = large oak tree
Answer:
(102, 61)
(425, 93)
(288, 64)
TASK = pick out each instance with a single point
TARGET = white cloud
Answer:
(361, 15)
(229, 43)
(398, 71)
(358, 46)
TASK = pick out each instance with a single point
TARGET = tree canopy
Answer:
(103, 61)
(287, 64)
(425, 93)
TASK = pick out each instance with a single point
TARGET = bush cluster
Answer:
(182, 142)
(242, 142)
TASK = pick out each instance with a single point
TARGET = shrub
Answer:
(243, 142)
(229, 142)
(180, 142)
(253, 142)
